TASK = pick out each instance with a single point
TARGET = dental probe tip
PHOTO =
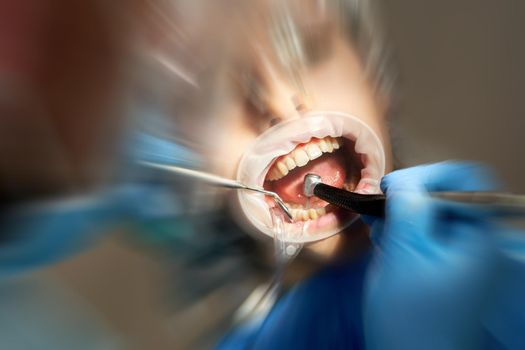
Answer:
(310, 181)
(276, 199)
(284, 208)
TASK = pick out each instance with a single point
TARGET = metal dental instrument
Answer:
(502, 204)
(216, 180)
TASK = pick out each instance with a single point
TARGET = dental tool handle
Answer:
(498, 204)
(366, 204)
(507, 205)
(198, 175)
(219, 181)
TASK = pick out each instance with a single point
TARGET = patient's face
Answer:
(274, 105)
(263, 89)
(337, 83)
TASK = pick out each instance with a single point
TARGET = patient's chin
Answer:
(352, 242)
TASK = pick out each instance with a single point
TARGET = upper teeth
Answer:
(301, 155)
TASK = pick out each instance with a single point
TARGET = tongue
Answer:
(330, 167)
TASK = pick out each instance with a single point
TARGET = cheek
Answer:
(228, 146)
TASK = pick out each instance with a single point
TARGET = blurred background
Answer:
(460, 78)
(458, 95)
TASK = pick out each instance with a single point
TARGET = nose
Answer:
(285, 103)
(283, 98)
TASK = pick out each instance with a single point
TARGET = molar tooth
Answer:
(313, 214)
(329, 146)
(274, 174)
(348, 187)
(300, 157)
(321, 211)
(335, 143)
(283, 169)
(290, 163)
(313, 151)
(305, 215)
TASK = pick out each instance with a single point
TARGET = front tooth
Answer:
(313, 214)
(283, 169)
(323, 146)
(290, 163)
(313, 151)
(300, 157)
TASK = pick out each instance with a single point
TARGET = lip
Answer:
(282, 139)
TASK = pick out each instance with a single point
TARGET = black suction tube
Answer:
(366, 204)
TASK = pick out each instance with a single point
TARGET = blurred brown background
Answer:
(461, 77)
(461, 96)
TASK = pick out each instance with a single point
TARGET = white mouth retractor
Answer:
(282, 139)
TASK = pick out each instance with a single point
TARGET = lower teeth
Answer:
(300, 214)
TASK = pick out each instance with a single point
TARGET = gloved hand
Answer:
(41, 234)
(435, 263)
(45, 233)
(323, 312)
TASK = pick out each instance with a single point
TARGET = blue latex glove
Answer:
(49, 232)
(435, 265)
(433, 270)
(54, 231)
(323, 312)
(45, 233)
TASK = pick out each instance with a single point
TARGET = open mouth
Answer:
(333, 159)
(340, 148)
